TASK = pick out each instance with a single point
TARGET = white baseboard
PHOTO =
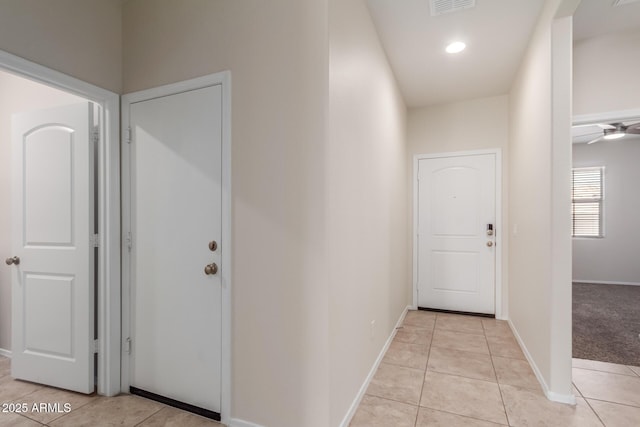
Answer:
(356, 402)
(551, 395)
(569, 399)
(234, 422)
(604, 282)
(5, 353)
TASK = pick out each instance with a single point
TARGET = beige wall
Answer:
(539, 165)
(81, 38)
(277, 54)
(605, 73)
(476, 124)
(367, 219)
(18, 95)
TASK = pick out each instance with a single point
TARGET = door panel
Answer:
(176, 211)
(456, 201)
(52, 286)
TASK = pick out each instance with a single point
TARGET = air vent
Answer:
(621, 2)
(440, 7)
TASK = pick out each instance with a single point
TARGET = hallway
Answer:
(450, 370)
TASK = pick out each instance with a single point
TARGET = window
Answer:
(587, 196)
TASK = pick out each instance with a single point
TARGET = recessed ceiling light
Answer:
(456, 47)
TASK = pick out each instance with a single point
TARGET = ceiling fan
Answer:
(616, 130)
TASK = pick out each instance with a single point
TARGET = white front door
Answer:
(456, 251)
(52, 261)
(176, 178)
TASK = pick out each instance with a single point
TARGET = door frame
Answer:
(108, 197)
(499, 229)
(224, 80)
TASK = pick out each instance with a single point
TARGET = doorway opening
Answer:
(606, 276)
(27, 89)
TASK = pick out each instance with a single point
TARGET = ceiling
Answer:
(595, 18)
(496, 33)
(598, 17)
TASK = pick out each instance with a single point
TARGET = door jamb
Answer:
(108, 294)
(224, 80)
(499, 229)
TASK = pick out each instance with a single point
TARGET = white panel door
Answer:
(456, 254)
(52, 214)
(176, 174)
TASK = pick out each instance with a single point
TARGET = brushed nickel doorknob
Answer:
(489, 243)
(210, 269)
(13, 260)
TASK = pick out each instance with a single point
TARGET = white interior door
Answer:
(456, 253)
(52, 213)
(176, 150)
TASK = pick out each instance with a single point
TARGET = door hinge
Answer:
(95, 240)
(127, 345)
(128, 240)
(96, 346)
(127, 135)
(95, 135)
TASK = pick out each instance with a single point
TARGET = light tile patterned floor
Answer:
(89, 411)
(450, 370)
(441, 370)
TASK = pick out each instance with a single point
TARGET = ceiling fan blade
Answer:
(605, 125)
(634, 128)
(595, 140)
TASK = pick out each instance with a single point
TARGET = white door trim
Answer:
(223, 79)
(499, 230)
(108, 210)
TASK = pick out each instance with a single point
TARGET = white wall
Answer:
(475, 124)
(277, 53)
(319, 189)
(78, 37)
(613, 258)
(539, 162)
(367, 190)
(605, 73)
(18, 95)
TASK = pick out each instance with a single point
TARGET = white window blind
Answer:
(587, 196)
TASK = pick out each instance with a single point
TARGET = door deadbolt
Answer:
(489, 229)
(210, 269)
(489, 243)
(213, 245)
(13, 260)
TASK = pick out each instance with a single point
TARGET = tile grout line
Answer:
(74, 409)
(426, 367)
(613, 403)
(465, 416)
(389, 399)
(32, 420)
(504, 406)
(594, 411)
(151, 415)
(633, 374)
(608, 373)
